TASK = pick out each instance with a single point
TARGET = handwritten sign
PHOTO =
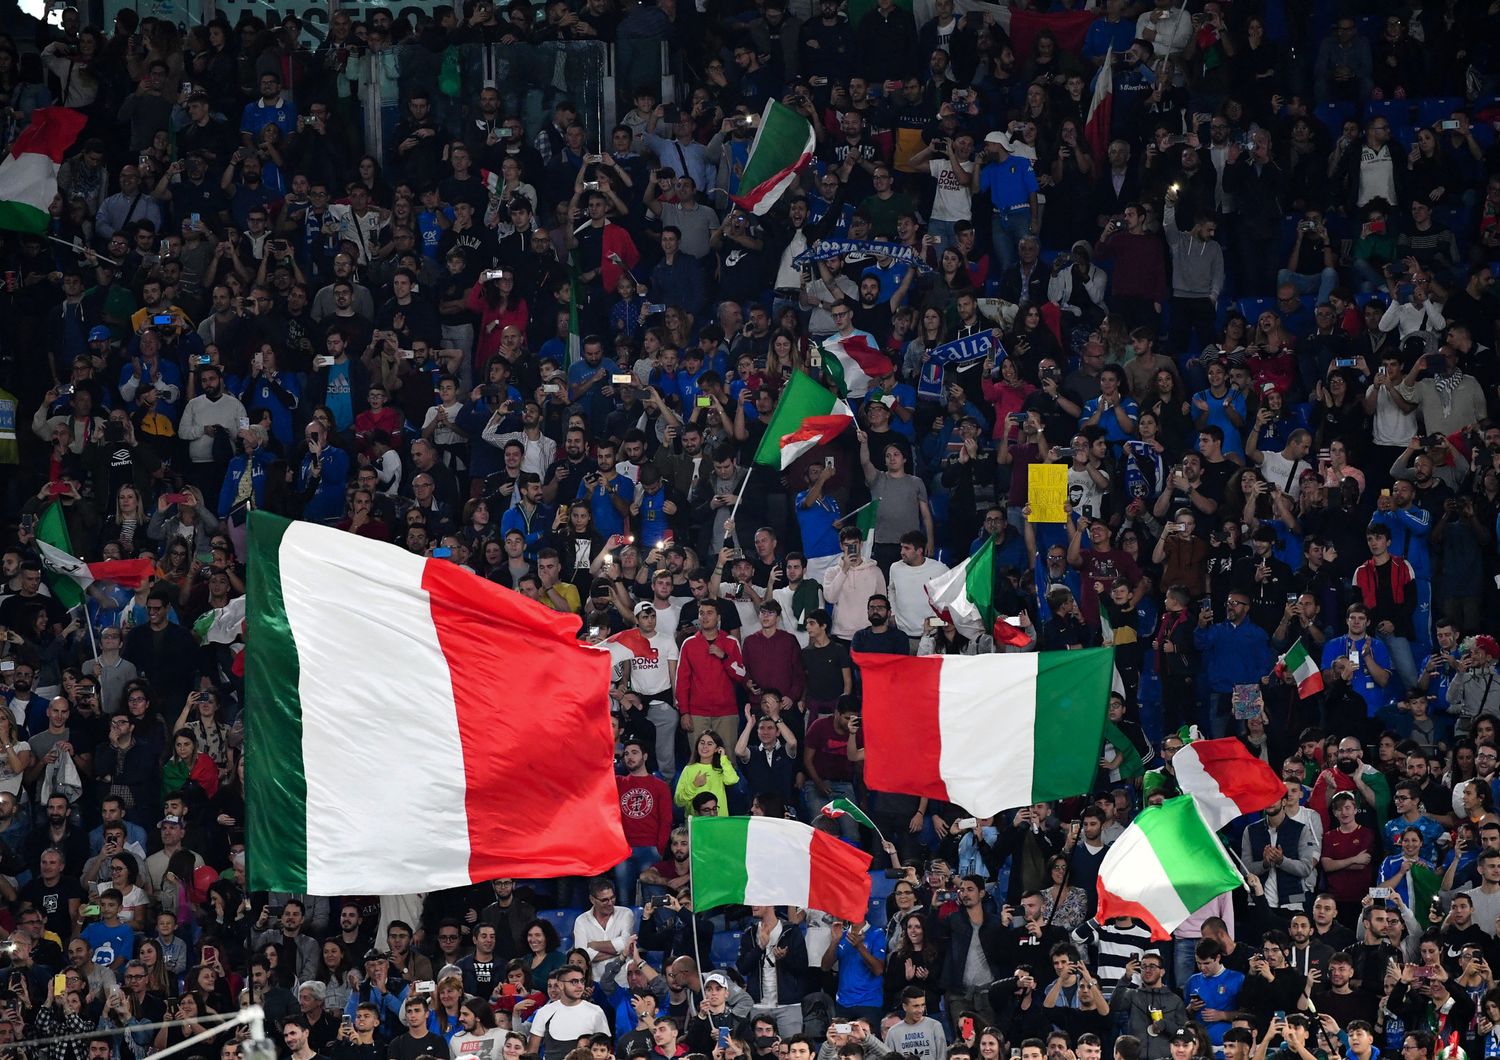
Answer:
(1047, 492)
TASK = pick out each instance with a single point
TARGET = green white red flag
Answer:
(28, 175)
(782, 148)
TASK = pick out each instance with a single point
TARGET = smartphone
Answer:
(828, 462)
(1354, 658)
(196, 219)
(323, 361)
(622, 379)
(177, 498)
(838, 1028)
(59, 984)
(442, 553)
(185, 88)
(1279, 1014)
(244, 423)
(1451, 125)
(90, 910)
(210, 954)
(346, 1021)
(493, 274)
(966, 1027)
(551, 388)
(408, 355)
(705, 402)
(1377, 228)
(1344, 362)
(162, 319)
(66, 390)
(724, 1036)
(203, 360)
(7, 665)
(425, 986)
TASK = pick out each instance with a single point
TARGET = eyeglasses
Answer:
(571, 982)
(447, 938)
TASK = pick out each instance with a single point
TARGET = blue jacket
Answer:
(533, 530)
(323, 495)
(1409, 529)
(260, 460)
(1234, 655)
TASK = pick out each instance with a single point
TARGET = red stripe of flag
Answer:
(51, 132)
(522, 687)
(838, 878)
(902, 734)
(1243, 779)
(1111, 906)
(127, 573)
(824, 428)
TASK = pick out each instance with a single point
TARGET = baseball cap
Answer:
(644, 605)
(1183, 1034)
(996, 137)
(716, 977)
(99, 333)
(374, 955)
(169, 819)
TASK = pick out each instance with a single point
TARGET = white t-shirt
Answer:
(652, 676)
(1279, 471)
(1377, 175)
(565, 1024)
(952, 201)
(486, 1046)
(1392, 427)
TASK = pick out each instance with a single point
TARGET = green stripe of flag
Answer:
(275, 780)
(53, 529)
(841, 807)
(717, 848)
(1195, 860)
(800, 398)
(1072, 697)
(979, 582)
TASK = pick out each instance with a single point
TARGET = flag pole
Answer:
(741, 495)
(693, 914)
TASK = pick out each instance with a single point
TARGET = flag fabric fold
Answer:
(28, 174)
(1167, 865)
(1304, 669)
(986, 732)
(815, 431)
(782, 148)
(58, 562)
(965, 595)
(802, 399)
(1226, 780)
(854, 364)
(1097, 124)
(847, 808)
(128, 573)
(369, 667)
(772, 861)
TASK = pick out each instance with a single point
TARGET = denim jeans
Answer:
(1007, 228)
(1321, 285)
(627, 872)
(1401, 659)
(839, 789)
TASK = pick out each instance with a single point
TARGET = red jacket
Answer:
(706, 683)
(645, 811)
(1365, 581)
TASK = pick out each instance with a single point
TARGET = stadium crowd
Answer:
(1250, 307)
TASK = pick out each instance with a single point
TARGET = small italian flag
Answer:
(846, 808)
(68, 576)
(771, 861)
(864, 520)
(28, 175)
(1226, 780)
(1304, 670)
(806, 415)
(985, 732)
(853, 364)
(782, 148)
(1167, 865)
(491, 181)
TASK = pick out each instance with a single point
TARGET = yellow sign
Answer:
(1047, 492)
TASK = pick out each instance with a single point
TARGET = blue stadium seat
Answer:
(1254, 307)
(560, 919)
(1333, 115)
(1395, 111)
(880, 887)
(725, 949)
(1436, 108)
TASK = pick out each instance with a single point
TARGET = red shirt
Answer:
(1350, 884)
(645, 810)
(829, 750)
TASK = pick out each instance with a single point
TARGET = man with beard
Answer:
(209, 422)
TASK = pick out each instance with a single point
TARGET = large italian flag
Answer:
(1166, 865)
(782, 148)
(412, 726)
(1226, 780)
(986, 732)
(772, 861)
(28, 175)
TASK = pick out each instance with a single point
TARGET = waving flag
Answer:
(854, 364)
(782, 148)
(1096, 125)
(28, 175)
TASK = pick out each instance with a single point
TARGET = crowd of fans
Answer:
(390, 284)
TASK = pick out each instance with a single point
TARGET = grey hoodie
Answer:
(1197, 266)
